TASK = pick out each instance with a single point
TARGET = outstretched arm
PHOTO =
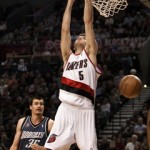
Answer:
(89, 31)
(65, 31)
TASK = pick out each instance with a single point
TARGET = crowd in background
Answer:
(21, 78)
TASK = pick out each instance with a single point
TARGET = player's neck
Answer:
(36, 119)
(79, 50)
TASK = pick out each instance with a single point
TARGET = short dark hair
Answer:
(27, 111)
(82, 34)
(35, 97)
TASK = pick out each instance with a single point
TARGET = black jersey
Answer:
(33, 134)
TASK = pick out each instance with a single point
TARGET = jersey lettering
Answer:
(30, 134)
(77, 64)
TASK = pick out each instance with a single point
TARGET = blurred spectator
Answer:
(130, 145)
(2, 87)
(128, 129)
(109, 21)
(140, 129)
(118, 77)
(137, 146)
(144, 145)
(120, 143)
(133, 71)
(5, 142)
(115, 100)
(105, 107)
(112, 145)
(104, 144)
(3, 26)
(21, 66)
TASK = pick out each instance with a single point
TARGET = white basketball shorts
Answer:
(73, 125)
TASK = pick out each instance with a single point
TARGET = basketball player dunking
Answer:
(32, 129)
(74, 120)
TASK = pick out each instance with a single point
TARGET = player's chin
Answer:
(39, 112)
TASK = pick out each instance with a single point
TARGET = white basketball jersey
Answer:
(79, 81)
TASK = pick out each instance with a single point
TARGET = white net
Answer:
(107, 8)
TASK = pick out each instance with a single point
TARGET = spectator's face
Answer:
(112, 144)
(134, 138)
(37, 106)
(140, 121)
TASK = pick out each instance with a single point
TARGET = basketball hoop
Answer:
(107, 8)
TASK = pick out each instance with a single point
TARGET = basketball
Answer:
(130, 86)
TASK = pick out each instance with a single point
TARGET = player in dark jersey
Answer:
(32, 129)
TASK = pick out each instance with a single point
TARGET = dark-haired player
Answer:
(32, 129)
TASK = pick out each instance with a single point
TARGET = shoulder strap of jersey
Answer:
(46, 122)
(24, 122)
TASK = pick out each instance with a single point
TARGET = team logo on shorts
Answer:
(52, 138)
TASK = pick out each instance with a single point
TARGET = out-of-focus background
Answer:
(31, 63)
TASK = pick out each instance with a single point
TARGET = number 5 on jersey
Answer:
(81, 76)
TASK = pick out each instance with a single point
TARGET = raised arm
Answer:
(89, 31)
(16, 140)
(65, 31)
